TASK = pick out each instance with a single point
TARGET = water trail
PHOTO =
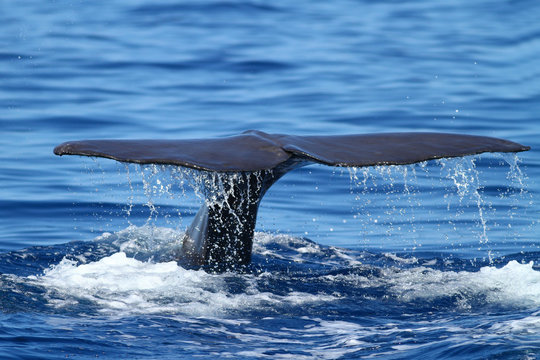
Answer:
(465, 178)
(516, 193)
(515, 175)
(162, 183)
(406, 200)
(401, 204)
(129, 206)
(396, 185)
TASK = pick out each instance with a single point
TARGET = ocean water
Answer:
(432, 260)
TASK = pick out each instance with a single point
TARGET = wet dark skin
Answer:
(221, 237)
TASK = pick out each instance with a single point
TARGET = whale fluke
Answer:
(221, 234)
(256, 150)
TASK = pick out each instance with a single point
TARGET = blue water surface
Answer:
(433, 260)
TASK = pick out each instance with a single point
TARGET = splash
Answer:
(296, 275)
(180, 185)
(514, 285)
(465, 177)
(121, 285)
(454, 202)
(405, 201)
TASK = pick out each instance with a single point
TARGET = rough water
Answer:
(433, 260)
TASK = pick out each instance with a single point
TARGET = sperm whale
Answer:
(221, 235)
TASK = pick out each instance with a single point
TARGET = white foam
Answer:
(145, 239)
(515, 284)
(121, 284)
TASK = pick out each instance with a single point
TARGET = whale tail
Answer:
(221, 235)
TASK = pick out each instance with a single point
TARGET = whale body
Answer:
(221, 235)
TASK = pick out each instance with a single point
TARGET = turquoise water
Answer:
(438, 260)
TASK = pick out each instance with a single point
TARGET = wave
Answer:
(289, 274)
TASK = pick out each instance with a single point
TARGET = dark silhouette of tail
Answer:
(221, 235)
